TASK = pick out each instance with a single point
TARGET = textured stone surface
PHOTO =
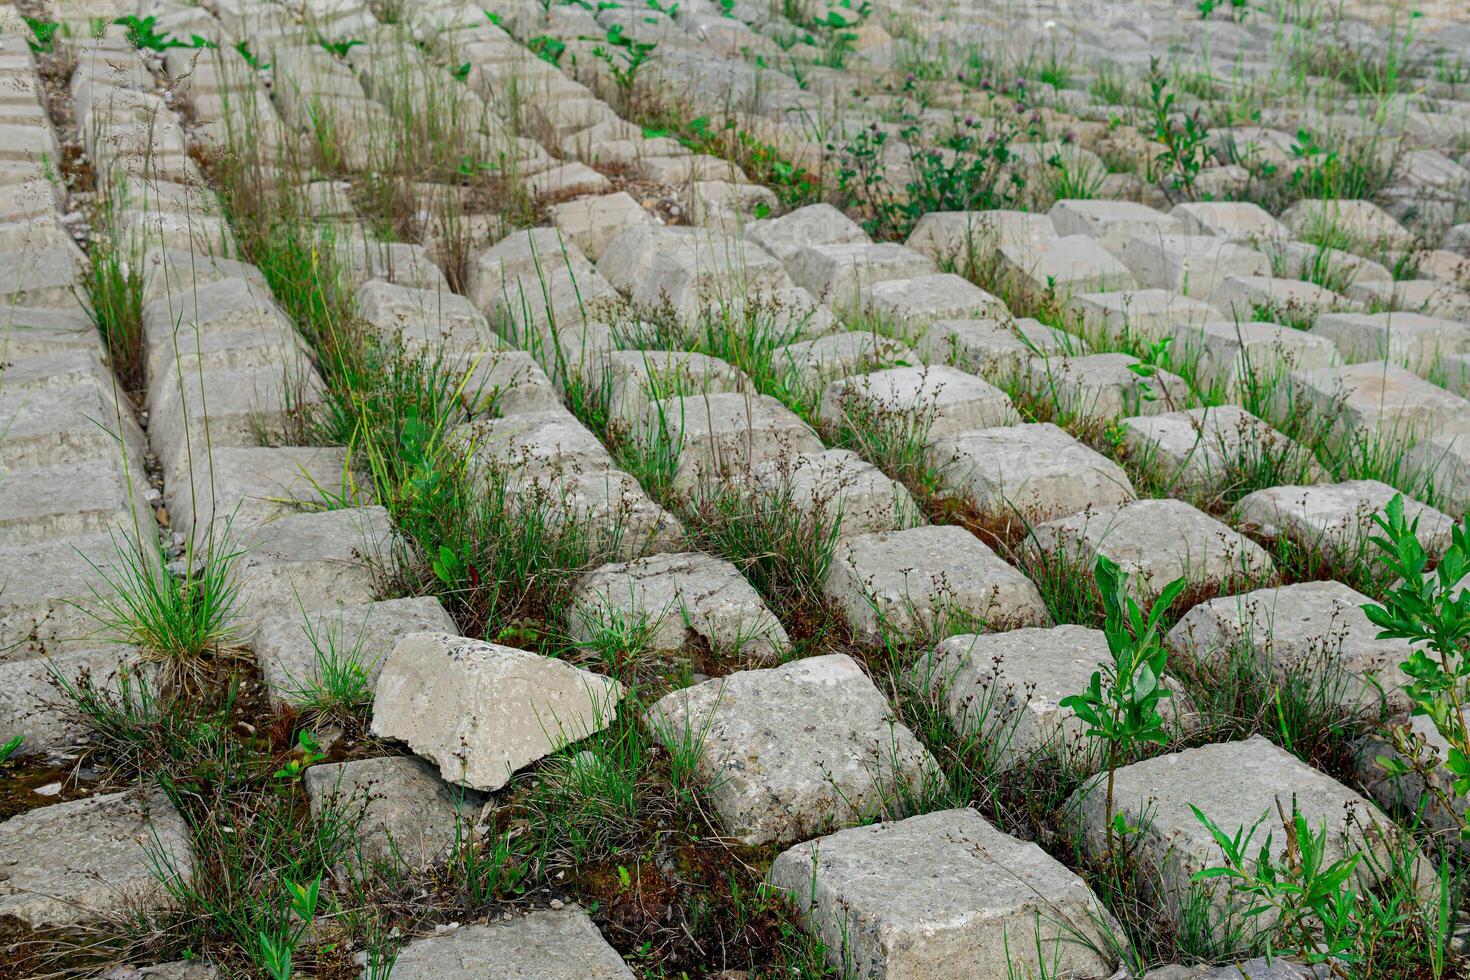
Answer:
(941, 895)
(815, 224)
(1444, 460)
(719, 435)
(1410, 340)
(997, 350)
(481, 711)
(560, 944)
(74, 863)
(245, 485)
(927, 581)
(839, 491)
(311, 561)
(911, 304)
(838, 355)
(1211, 449)
(407, 812)
(294, 647)
(1007, 688)
(62, 500)
(1230, 357)
(1066, 266)
(1278, 300)
(666, 598)
(1156, 542)
(1139, 315)
(925, 403)
(1335, 518)
(1315, 632)
(837, 274)
(1104, 386)
(794, 751)
(636, 379)
(1374, 402)
(1028, 473)
(33, 705)
(1192, 265)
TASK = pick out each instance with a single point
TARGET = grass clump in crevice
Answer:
(175, 614)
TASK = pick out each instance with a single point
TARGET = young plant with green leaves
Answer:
(1121, 704)
(277, 951)
(1432, 611)
(1306, 895)
(1183, 137)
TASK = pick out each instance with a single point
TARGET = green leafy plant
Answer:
(251, 59)
(308, 753)
(547, 48)
(1310, 896)
(1184, 139)
(1121, 704)
(967, 171)
(276, 953)
(11, 747)
(340, 48)
(44, 33)
(142, 32)
(624, 58)
(1147, 367)
(1432, 611)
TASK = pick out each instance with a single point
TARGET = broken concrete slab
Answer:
(592, 222)
(838, 355)
(911, 304)
(961, 239)
(481, 711)
(815, 224)
(66, 500)
(1285, 301)
(430, 319)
